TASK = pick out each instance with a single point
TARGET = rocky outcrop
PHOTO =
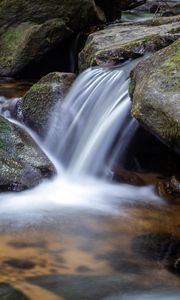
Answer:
(37, 105)
(117, 43)
(154, 89)
(31, 28)
(22, 163)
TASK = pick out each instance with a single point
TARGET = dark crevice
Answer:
(62, 58)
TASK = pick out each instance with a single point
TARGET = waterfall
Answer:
(87, 134)
(94, 113)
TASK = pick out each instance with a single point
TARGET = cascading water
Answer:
(80, 235)
(86, 136)
(94, 113)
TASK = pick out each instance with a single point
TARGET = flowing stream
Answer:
(81, 235)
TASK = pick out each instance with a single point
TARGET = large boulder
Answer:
(117, 43)
(155, 91)
(37, 105)
(22, 163)
(31, 28)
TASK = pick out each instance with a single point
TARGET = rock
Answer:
(162, 248)
(170, 9)
(17, 263)
(163, 8)
(31, 28)
(113, 8)
(150, 6)
(22, 163)
(169, 189)
(120, 42)
(154, 89)
(8, 292)
(37, 105)
(125, 176)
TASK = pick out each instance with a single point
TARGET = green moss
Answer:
(170, 71)
(136, 111)
(132, 86)
(168, 128)
(12, 44)
(5, 130)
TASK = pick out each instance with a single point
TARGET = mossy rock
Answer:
(29, 29)
(22, 163)
(117, 43)
(38, 103)
(155, 89)
(28, 42)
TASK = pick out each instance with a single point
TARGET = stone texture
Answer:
(155, 91)
(22, 163)
(31, 28)
(38, 103)
(117, 43)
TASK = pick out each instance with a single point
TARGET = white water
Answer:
(81, 140)
(95, 112)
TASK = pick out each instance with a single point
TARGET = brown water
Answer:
(11, 88)
(78, 254)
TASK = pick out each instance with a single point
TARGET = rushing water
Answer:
(79, 237)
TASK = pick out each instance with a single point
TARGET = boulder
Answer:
(160, 7)
(23, 165)
(31, 28)
(169, 189)
(113, 8)
(155, 90)
(117, 43)
(37, 105)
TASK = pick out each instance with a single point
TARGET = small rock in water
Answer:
(169, 189)
(20, 263)
(162, 248)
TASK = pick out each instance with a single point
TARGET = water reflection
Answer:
(78, 255)
(11, 88)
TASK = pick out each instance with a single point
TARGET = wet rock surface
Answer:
(113, 8)
(23, 164)
(155, 92)
(37, 105)
(8, 292)
(20, 264)
(30, 29)
(163, 248)
(120, 42)
(169, 189)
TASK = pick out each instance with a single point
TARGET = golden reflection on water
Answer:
(88, 245)
(14, 88)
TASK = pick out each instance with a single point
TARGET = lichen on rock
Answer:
(38, 103)
(155, 91)
(22, 163)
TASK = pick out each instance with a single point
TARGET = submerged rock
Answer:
(37, 105)
(154, 89)
(31, 28)
(8, 292)
(22, 163)
(162, 248)
(120, 42)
